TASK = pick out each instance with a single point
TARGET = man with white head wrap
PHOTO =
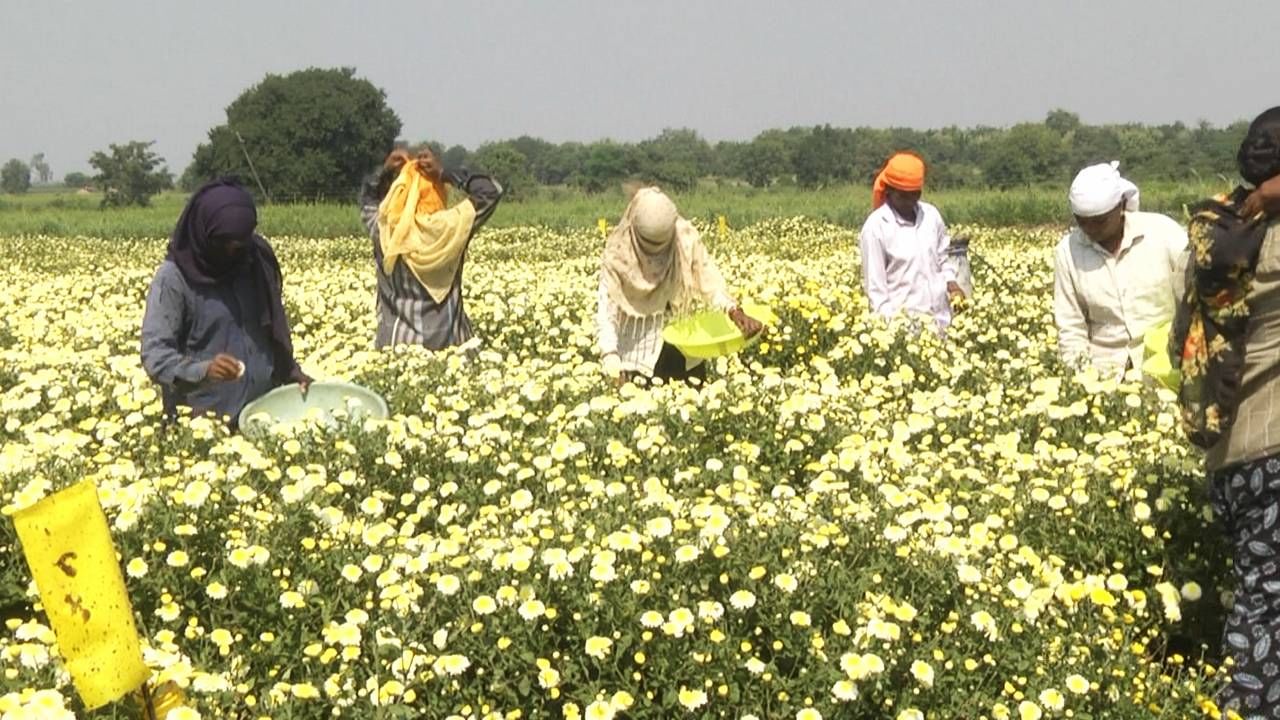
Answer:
(1117, 274)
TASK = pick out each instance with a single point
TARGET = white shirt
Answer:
(1103, 304)
(636, 342)
(904, 264)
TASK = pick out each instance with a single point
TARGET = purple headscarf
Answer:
(219, 213)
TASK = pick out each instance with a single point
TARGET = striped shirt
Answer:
(407, 314)
(1256, 431)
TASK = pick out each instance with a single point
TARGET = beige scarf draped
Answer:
(413, 226)
(645, 276)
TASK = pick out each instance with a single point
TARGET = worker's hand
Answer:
(396, 160)
(955, 296)
(224, 368)
(613, 369)
(1265, 199)
(430, 166)
(749, 326)
(302, 379)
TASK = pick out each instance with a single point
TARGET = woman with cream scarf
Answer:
(655, 267)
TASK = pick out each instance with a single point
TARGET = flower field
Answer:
(847, 522)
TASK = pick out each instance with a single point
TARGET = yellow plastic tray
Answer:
(711, 333)
(1155, 347)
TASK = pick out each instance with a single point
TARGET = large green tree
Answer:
(508, 166)
(130, 174)
(309, 135)
(15, 177)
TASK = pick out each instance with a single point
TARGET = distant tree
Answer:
(455, 157)
(675, 159)
(40, 169)
(1027, 153)
(130, 174)
(824, 156)
(15, 177)
(1062, 121)
(764, 159)
(508, 166)
(76, 180)
(1091, 144)
(561, 164)
(605, 163)
(310, 134)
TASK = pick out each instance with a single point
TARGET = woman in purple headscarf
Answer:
(215, 335)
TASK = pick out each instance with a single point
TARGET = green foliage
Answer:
(72, 214)
(309, 135)
(1028, 153)
(76, 180)
(15, 177)
(508, 166)
(762, 160)
(675, 159)
(130, 174)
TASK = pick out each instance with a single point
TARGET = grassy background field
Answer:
(64, 213)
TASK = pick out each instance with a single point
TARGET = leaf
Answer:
(1247, 680)
(1260, 549)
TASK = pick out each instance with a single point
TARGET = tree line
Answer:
(314, 134)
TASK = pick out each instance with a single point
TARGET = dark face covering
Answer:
(214, 233)
(215, 242)
(1207, 342)
(1259, 155)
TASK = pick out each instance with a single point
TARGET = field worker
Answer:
(655, 267)
(1227, 337)
(904, 246)
(419, 247)
(215, 335)
(1117, 273)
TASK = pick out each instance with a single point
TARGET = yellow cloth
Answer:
(68, 547)
(414, 225)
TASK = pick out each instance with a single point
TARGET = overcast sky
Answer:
(75, 76)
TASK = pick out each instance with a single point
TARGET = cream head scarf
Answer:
(655, 259)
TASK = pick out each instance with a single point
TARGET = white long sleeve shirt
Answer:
(904, 264)
(637, 341)
(1103, 304)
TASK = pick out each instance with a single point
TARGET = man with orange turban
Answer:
(904, 247)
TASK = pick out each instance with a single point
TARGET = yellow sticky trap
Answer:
(604, 227)
(69, 550)
(723, 226)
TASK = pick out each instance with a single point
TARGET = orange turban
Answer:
(904, 171)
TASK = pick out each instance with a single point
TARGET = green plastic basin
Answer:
(325, 402)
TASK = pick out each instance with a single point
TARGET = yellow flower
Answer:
(598, 647)
(692, 699)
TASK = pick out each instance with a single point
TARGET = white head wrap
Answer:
(1098, 189)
